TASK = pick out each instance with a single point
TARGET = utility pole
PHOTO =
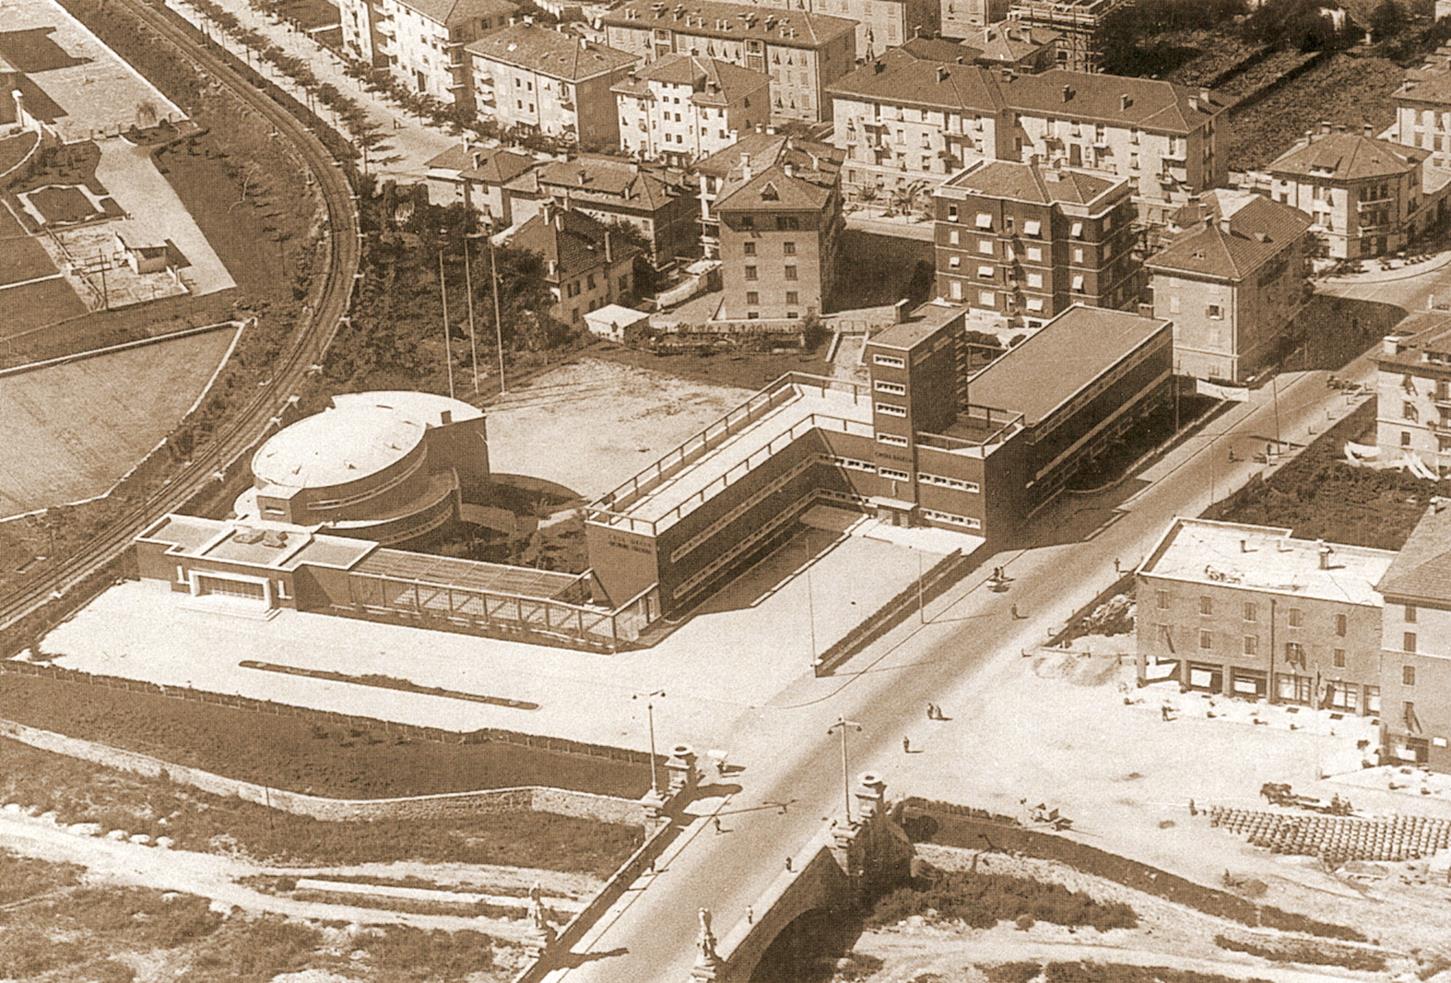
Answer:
(447, 344)
(498, 318)
(469, 293)
(921, 600)
(810, 601)
(1275, 397)
(650, 715)
(842, 724)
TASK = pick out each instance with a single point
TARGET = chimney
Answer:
(745, 167)
(1324, 551)
(1324, 126)
(878, 66)
(546, 211)
(1067, 93)
(959, 60)
(584, 44)
(1390, 345)
(1367, 130)
(942, 73)
(446, 416)
(987, 35)
(789, 168)
(1125, 101)
(1224, 226)
(1204, 98)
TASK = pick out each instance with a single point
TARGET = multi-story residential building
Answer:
(586, 265)
(802, 52)
(961, 18)
(421, 42)
(1026, 241)
(755, 150)
(1014, 45)
(681, 108)
(1416, 645)
(780, 226)
(1080, 22)
(881, 24)
(1367, 196)
(542, 80)
(477, 176)
(903, 118)
(658, 201)
(1232, 280)
(1251, 611)
(1413, 394)
(1423, 108)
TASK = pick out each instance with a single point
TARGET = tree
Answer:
(647, 278)
(1386, 20)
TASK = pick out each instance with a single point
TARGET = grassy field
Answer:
(36, 305)
(21, 258)
(54, 928)
(290, 753)
(1346, 88)
(881, 270)
(13, 150)
(70, 431)
(78, 791)
(1319, 496)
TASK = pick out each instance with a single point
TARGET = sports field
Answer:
(70, 431)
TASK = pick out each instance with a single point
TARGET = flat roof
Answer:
(466, 574)
(1061, 359)
(1269, 559)
(920, 325)
(736, 453)
(254, 542)
(359, 435)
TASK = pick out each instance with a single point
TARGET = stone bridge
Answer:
(845, 865)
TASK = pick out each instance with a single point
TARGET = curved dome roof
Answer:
(359, 435)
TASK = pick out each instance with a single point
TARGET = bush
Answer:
(1309, 954)
(982, 900)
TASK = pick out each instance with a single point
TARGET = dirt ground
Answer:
(71, 431)
(591, 424)
(1074, 733)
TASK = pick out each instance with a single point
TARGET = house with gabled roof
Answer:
(477, 176)
(1232, 279)
(586, 265)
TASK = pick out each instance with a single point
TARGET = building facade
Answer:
(477, 176)
(1251, 611)
(585, 264)
(881, 24)
(684, 107)
(1367, 196)
(761, 148)
(780, 229)
(1016, 46)
(1423, 109)
(1413, 395)
(801, 52)
(544, 81)
(1232, 280)
(1026, 241)
(962, 18)
(421, 42)
(1079, 22)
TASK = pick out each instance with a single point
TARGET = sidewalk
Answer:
(408, 142)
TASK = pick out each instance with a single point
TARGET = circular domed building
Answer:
(392, 467)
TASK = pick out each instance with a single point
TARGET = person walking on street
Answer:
(906, 745)
(1014, 609)
(788, 865)
(716, 822)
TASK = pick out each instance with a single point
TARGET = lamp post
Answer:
(469, 294)
(649, 699)
(842, 725)
(447, 344)
(810, 602)
(498, 319)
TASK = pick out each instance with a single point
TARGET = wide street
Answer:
(792, 775)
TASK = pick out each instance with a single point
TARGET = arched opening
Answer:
(807, 950)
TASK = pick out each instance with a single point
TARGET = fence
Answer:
(329, 718)
(942, 575)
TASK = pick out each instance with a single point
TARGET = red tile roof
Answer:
(572, 241)
(901, 77)
(1346, 156)
(1422, 569)
(732, 21)
(1033, 183)
(713, 82)
(451, 12)
(1230, 234)
(549, 52)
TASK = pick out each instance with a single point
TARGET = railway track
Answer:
(245, 428)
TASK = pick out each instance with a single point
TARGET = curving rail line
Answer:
(245, 428)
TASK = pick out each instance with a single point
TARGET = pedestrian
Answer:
(788, 864)
(1192, 811)
(931, 712)
(750, 915)
(1015, 612)
(1116, 568)
(906, 745)
(716, 822)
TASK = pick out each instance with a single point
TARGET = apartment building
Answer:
(1080, 22)
(1026, 241)
(780, 226)
(881, 24)
(477, 176)
(904, 118)
(1232, 280)
(541, 80)
(801, 52)
(421, 42)
(755, 150)
(961, 18)
(586, 265)
(681, 108)
(1367, 196)
(1251, 611)
(1413, 394)
(1416, 645)
(1014, 45)
(1423, 109)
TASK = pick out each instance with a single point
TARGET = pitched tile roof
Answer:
(608, 179)
(775, 190)
(1346, 156)
(1033, 183)
(1429, 86)
(713, 82)
(708, 18)
(899, 76)
(549, 52)
(1422, 569)
(1010, 42)
(1424, 345)
(1229, 234)
(451, 12)
(1148, 104)
(938, 49)
(499, 166)
(573, 242)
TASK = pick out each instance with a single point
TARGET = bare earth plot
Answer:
(592, 424)
(70, 431)
(21, 257)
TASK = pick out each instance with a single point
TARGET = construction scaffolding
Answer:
(1078, 23)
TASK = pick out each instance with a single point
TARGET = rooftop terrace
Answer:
(1266, 558)
(732, 447)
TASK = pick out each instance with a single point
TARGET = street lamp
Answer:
(469, 293)
(650, 715)
(842, 725)
(443, 291)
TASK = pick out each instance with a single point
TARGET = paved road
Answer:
(789, 758)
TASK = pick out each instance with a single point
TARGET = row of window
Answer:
(749, 246)
(965, 521)
(787, 272)
(753, 297)
(1295, 616)
(944, 482)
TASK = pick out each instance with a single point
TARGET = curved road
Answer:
(330, 305)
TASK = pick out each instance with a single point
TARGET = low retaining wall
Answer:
(446, 805)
